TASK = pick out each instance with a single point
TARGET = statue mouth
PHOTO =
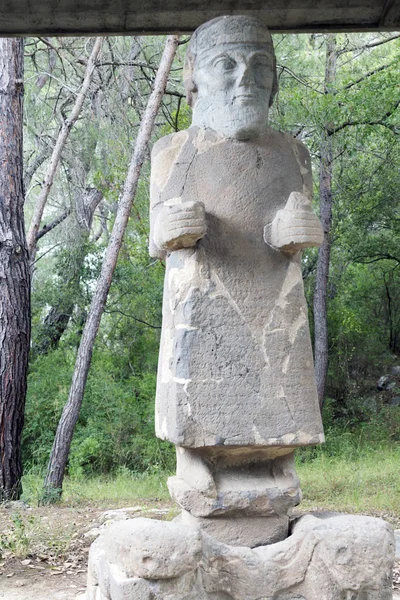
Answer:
(246, 98)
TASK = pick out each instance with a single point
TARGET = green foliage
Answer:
(367, 484)
(362, 116)
(360, 426)
(116, 423)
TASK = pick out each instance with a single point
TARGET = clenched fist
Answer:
(179, 225)
(294, 227)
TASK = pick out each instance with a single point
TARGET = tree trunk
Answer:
(69, 417)
(14, 271)
(62, 138)
(325, 192)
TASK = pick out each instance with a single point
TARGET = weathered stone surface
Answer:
(98, 581)
(241, 531)
(252, 502)
(230, 76)
(383, 382)
(230, 212)
(337, 558)
(397, 542)
(235, 327)
(144, 548)
(263, 488)
(124, 588)
(295, 227)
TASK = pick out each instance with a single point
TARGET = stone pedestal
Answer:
(344, 557)
(241, 496)
(240, 531)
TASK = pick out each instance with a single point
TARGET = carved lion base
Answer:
(341, 557)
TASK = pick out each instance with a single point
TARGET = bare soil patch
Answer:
(44, 552)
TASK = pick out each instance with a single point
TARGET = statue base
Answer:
(240, 531)
(325, 557)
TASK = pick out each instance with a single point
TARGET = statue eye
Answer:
(259, 64)
(224, 63)
(262, 62)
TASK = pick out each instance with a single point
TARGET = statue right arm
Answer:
(174, 223)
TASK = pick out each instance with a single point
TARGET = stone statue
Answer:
(230, 213)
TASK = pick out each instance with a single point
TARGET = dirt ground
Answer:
(20, 583)
(44, 551)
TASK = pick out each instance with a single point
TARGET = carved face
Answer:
(234, 84)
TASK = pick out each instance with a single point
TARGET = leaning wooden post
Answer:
(69, 417)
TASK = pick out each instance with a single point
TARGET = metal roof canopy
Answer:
(136, 17)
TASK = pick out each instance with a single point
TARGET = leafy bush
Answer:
(116, 422)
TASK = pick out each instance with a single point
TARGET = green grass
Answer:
(366, 482)
(121, 488)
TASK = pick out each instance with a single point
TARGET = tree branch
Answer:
(367, 260)
(369, 74)
(378, 122)
(299, 79)
(61, 139)
(371, 45)
(121, 312)
(46, 228)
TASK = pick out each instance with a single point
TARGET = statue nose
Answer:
(245, 76)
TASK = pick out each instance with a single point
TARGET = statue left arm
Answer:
(296, 227)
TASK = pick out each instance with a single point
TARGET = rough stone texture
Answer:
(230, 77)
(122, 514)
(230, 209)
(262, 488)
(138, 549)
(241, 531)
(124, 588)
(230, 212)
(235, 327)
(337, 558)
(397, 540)
(301, 227)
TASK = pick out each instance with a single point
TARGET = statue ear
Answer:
(188, 80)
(191, 91)
(275, 84)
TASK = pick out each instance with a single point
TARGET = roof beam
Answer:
(390, 16)
(136, 17)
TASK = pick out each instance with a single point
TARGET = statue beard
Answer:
(241, 120)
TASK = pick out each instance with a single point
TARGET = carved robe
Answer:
(236, 365)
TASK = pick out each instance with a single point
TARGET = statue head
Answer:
(230, 76)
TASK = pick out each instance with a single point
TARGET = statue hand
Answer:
(179, 225)
(294, 227)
